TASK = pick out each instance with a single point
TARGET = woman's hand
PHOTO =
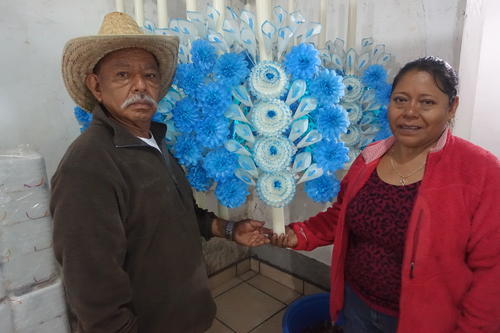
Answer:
(288, 239)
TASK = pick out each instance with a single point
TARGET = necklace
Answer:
(402, 179)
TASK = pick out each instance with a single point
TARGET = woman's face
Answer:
(419, 111)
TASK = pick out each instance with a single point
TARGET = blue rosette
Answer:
(268, 80)
(353, 89)
(271, 118)
(276, 189)
(354, 112)
(273, 154)
(352, 137)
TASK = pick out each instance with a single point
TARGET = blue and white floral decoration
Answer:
(365, 76)
(236, 121)
(250, 121)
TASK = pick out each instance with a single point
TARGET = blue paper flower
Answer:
(185, 151)
(83, 117)
(197, 177)
(385, 130)
(203, 55)
(332, 121)
(231, 69)
(186, 115)
(220, 164)
(188, 78)
(383, 94)
(327, 87)
(330, 155)
(212, 132)
(302, 61)
(322, 189)
(231, 192)
(213, 98)
(158, 117)
(374, 76)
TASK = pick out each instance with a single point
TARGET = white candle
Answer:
(119, 6)
(139, 12)
(223, 212)
(191, 5)
(279, 221)
(352, 24)
(247, 6)
(263, 13)
(220, 6)
(291, 6)
(323, 12)
(162, 14)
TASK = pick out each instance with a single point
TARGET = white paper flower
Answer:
(276, 189)
(353, 89)
(268, 80)
(273, 154)
(271, 117)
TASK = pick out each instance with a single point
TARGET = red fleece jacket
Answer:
(451, 265)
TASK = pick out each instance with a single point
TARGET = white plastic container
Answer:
(5, 319)
(25, 238)
(56, 325)
(21, 169)
(42, 310)
(27, 270)
(23, 205)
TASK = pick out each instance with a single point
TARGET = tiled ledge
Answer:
(251, 267)
(253, 296)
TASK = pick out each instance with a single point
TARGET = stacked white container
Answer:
(31, 294)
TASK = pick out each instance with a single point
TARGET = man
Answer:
(126, 229)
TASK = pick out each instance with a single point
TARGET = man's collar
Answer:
(121, 136)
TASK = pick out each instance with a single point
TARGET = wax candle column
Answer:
(162, 14)
(263, 10)
(291, 6)
(247, 6)
(323, 14)
(220, 6)
(119, 6)
(191, 5)
(352, 24)
(139, 12)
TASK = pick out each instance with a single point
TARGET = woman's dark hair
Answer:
(444, 75)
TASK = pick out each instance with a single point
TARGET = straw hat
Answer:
(118, 31)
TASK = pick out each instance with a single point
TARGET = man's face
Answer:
(127, 83)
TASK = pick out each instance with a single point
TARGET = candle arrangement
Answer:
(255, 104)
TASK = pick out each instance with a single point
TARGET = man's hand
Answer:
(251, 233)
(289, 239)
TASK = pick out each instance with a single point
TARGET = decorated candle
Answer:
(162, 14)
(191, 5)
(220, 6)
(139, 12)
(263, 14)
(119, 6)
(352, 24)
(323, 12)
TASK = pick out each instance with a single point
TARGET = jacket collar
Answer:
(378, 149)
(121, 136)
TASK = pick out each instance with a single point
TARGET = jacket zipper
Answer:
(415, 245)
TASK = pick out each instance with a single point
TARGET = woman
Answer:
(416, 225)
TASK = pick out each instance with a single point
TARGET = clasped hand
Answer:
(252, 233)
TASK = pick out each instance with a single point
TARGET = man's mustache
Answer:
(139, 98)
